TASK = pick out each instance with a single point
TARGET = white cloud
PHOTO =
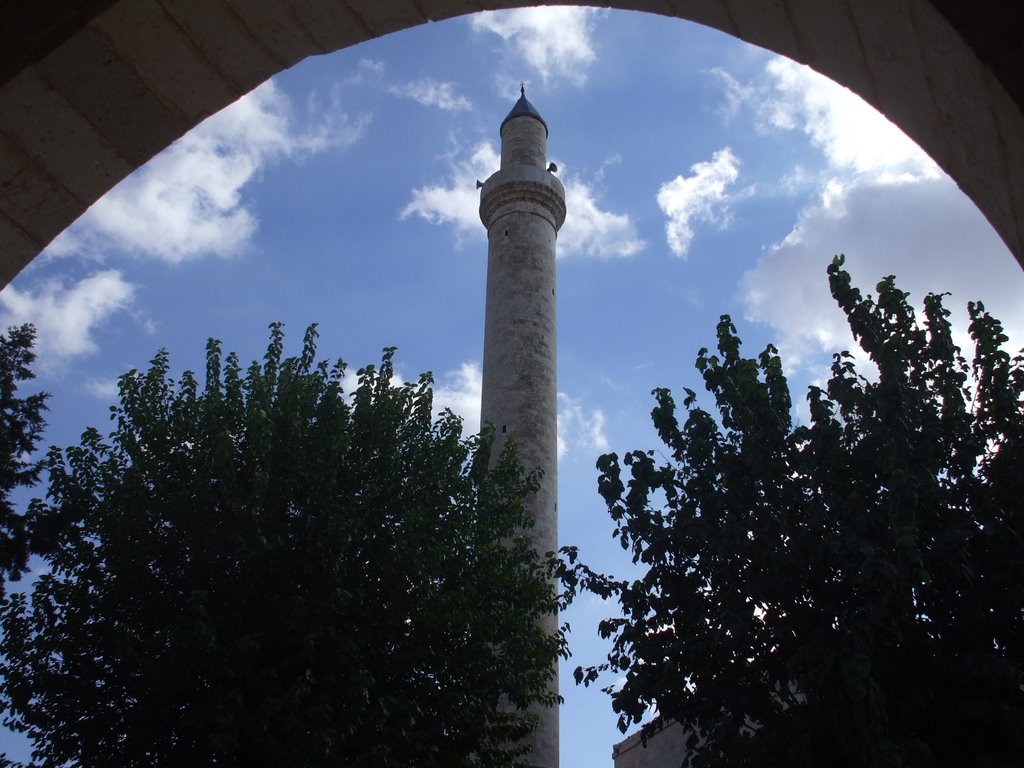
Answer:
(702, 197)
(66, 317)
(554, 41)
(880, 200)
(460, 392)
(591, 231)
(587, 230)
(431, 93)
(853, 136)
(187, 201)
(368, 70)
(457, 201)
(579, 429)
(850, 132)
(104, 389)
(927, 233)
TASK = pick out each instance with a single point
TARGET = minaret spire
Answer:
(523, 206)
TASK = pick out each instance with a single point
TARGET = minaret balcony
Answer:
(523, 188)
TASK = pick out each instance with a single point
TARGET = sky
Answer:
(703, 177)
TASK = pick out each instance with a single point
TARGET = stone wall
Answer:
(91, 90)
(664, 749)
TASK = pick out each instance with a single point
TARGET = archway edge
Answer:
(91, 93)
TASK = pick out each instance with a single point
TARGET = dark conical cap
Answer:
(523, 108)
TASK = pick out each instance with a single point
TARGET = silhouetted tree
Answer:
(263, 570)
(846, 592)
(21, 424)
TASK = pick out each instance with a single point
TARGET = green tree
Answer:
(264, 571)
(21, 424)
(846, 592)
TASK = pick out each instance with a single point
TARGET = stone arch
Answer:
(89, 91)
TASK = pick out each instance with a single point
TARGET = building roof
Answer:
(523, 108)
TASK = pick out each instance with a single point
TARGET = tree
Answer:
(264, 571)
(846, 592)
(21, 425)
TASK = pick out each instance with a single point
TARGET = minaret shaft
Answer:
(520, 354)
(523, 206)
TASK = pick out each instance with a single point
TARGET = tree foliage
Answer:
(846, 592)
(263, 570)
(21, 425)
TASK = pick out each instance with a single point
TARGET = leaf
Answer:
(847, 592)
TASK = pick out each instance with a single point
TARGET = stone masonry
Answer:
(91, 89)
(522, 206)
(665, 748)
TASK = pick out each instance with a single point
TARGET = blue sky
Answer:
(703, 177)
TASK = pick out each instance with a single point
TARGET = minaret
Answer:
(522, 206)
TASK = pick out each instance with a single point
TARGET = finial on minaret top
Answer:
(523, 108)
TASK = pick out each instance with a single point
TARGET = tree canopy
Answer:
(848, 591)
(21, 425)
(266, 570)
